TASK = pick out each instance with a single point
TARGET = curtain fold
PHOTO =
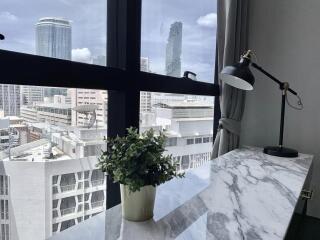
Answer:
(231, 42)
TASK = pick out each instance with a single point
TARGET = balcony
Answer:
(67, 211)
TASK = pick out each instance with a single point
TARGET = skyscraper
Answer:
(53, 39)
(173, 50)
(10, 99)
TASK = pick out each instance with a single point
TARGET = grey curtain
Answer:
(231, 42)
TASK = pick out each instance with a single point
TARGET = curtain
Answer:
(231, 43)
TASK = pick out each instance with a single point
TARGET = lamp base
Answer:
(280, 151)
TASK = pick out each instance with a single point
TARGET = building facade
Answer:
(173, 50)
(10, 99)
(59, 188)
(80, 97)
(189, 131)
(57, 112)
(53, 38)
(31, 95)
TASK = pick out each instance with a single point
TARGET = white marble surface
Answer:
(244, 194)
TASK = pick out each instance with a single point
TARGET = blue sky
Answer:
(18, 18)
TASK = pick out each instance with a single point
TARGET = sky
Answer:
(88, 19)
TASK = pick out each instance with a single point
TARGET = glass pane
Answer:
(69, 29)
(188, 124)
(53, 136)
(178, 36)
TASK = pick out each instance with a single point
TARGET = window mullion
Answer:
(123, 51)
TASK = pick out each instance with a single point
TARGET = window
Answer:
(171, 142)
(190, 141)
(55, 227)
(4, 210)
(176, 39)
(198, 140)
(206, 139)
(47, 95)
(80, 198)
(55, 203)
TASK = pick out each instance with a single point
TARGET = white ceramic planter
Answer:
(137, 206)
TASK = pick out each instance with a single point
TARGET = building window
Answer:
(86, 174)
(55, 179)
(4, 185)
(80, 198)
(206, 139)
(198, 140)
(55, 203)
(190, 141)
(171, 142)
(4, 209)
(55, 227)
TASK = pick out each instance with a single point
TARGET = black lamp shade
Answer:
(238, 75)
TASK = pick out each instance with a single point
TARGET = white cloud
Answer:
(7, 16)
(82, 55)
(209, 20)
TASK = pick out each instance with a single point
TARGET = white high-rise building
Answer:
(53, 38)
(55, 110)
(31, 95)
(10, 99)
(189, 128)
(48, 186)
(145, 97)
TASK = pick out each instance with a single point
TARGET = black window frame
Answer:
(121, 77)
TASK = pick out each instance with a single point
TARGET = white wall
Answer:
(285, 35)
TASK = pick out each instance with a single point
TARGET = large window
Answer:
(176, 37)
(179, 36)
(55, 111)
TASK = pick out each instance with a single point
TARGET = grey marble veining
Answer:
(244, 194)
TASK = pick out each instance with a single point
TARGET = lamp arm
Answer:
(281, 84)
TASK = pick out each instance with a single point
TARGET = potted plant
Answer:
(137, 162)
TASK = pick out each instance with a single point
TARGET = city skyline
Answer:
(89, 35)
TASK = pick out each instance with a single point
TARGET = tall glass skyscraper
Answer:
(173, 50)
(53, 39)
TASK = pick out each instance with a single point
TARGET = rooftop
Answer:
(36, 151)
(181, 105)
(53, 20)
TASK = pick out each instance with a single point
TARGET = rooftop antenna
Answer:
(88, 110)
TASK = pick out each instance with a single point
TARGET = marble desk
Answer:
(244, 194)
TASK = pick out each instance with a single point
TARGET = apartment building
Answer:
(47, 186)
(189, 128)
